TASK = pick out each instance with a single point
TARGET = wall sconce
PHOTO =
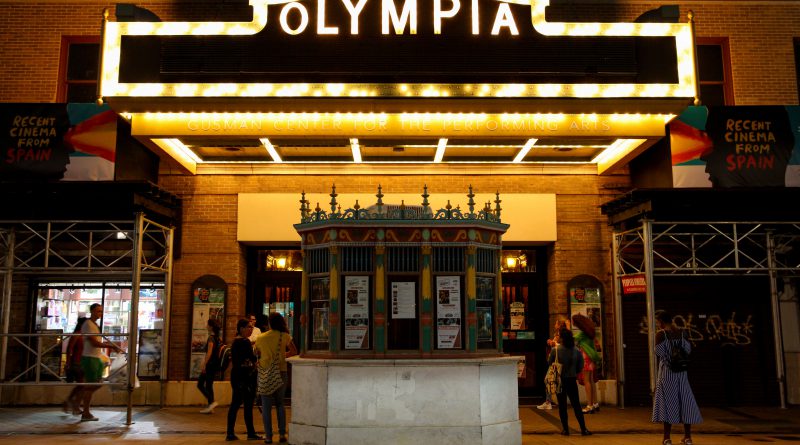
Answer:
(511, 262)
(281, 263)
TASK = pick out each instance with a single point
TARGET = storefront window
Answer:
(60, 304)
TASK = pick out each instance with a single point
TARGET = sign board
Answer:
(634, 284)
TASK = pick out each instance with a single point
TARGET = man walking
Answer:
(92, 361)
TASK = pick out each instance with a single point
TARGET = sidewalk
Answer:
(185, 426)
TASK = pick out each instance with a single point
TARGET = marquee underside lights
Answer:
(398, 16)
(409, 125)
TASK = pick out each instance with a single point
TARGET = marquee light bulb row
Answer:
(398, 20)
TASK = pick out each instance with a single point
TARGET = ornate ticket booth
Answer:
(402, 323)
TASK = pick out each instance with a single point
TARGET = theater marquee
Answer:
(397, 81)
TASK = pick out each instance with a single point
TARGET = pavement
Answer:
(37, 425)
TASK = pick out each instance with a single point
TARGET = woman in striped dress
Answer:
(673, 401)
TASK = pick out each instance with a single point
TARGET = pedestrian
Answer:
(256, 331)
(243, 380)
(274, 345)
(549, 399)
(205, 382)
(673, 401)
(93, 360)
(592, 361)
(571, 361)
(74, 370)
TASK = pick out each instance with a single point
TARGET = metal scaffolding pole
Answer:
(619, 344)
(647, 238)
(133, 322)
(7, 285)
(776, 318)
(167, 310)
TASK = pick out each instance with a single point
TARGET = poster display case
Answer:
(208, 302)
(585, 295)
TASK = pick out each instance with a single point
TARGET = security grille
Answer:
(318, 261)
(487, 259)
(448, 259)
(402, 259)
(357, 259)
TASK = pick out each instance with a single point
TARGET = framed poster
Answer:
(320, 328)
(356, 312)
(208, 303)
(448, 312)
(484, 323)
(585, 307)
(149, 361)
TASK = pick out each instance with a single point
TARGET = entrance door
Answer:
(525, 329)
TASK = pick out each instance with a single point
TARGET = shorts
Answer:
(75, 373)
(93, 369)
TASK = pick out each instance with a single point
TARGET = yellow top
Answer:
(267, 344)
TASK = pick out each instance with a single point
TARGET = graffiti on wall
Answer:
(734, 330)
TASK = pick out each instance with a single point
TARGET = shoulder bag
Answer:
(269, 378)
(552, 380)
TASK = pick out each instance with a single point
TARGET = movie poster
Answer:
(356, 312)
(448, 312)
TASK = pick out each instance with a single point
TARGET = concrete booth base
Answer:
(409, 401)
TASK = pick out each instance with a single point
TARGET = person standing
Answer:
(592, 361)
(673, 401)
(93, 360)
(205, 382)
(256, 331)
(74, 370)
(571, 362)
(552, 343)
(273, 345)
(243, 380)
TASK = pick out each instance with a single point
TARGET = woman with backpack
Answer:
(205, 382)
(673, 401)
(571, 361)
(243, 380)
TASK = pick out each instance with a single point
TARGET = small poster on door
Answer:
(517, 312)
(404, 300)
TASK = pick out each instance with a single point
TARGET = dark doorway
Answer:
(525, 321)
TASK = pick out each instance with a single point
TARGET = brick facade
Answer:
(760, 37)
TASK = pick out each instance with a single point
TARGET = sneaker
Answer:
(231, 437)
(209, 409)
(89, 418)
(545, 405)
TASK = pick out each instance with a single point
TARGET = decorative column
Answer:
(333, 315)
(379, 311)
(303, 300)
(426, 311)
(469, 283)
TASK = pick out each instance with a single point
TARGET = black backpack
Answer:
(678, 357)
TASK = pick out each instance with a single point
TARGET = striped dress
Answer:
(673, 401)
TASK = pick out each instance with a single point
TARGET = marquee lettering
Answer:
(397, 16)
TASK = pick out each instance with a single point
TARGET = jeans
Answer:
(569, 388)
(241, 395)
(205, 383)
(266, 408)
